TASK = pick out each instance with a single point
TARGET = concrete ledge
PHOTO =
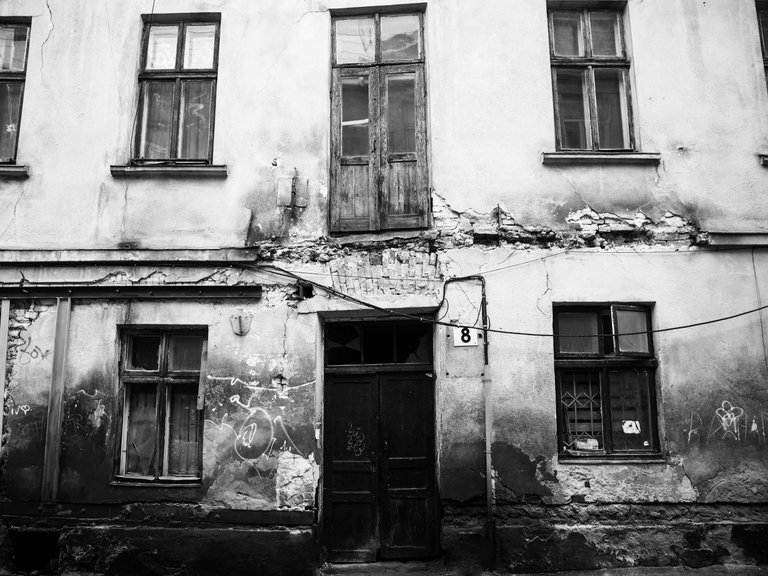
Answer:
(179, 171)
(745, 239)
(14, 171)
(605, 158)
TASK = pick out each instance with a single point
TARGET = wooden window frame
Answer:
(607, 358)
(587, 64)
(762, 15)
(163, 379)
(178, 75)
(8, 76)
(378, 158)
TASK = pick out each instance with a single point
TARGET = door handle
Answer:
(374, 462)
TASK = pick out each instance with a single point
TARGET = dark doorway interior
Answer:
(379, 497)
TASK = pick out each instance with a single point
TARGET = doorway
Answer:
(379, 494)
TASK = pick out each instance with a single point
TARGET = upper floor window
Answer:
(161, 421)
(604, 371)
(378, 123)
(14, 42)
(590, 76)
(762, 14)
(177, 89)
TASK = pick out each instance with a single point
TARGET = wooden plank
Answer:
(5, 317)
(55, 403)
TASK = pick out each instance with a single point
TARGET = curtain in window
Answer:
(195, 119)
(182, 431)
(10, 104)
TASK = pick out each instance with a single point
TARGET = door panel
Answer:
(407, 466)
(350, 516)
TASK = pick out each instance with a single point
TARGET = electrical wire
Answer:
(341, 295)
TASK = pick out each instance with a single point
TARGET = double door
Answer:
(379, 488)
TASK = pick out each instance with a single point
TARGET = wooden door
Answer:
(379, 488)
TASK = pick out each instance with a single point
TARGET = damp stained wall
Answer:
(490, 119)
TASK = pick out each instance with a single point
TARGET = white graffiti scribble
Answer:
(725, 422)
(355, 440)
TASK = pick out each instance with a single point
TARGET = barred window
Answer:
(604, 369)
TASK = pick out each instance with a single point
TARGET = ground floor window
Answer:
(161, 415)
(604, 374)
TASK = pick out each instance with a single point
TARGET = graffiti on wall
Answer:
(28, 354)
(255, 418)
(729, 423)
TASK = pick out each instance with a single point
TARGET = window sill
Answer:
(584, 158)
(179, 171)
(17, 171)
(149, 482)
(623, 460)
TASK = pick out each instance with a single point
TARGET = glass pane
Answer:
(157, 120)
(606, 40)
(572, 102)
(612, 121)
(195, 119)
(182, 432)
(10, 106)
(572, 327)
(140, 454)
(199, 45)
(400, 37)
(13, 48)
(631, 410)
(185, 352)
(354, 116)
(379, 344)
(414, 344)
(161, 49)
(401, 113)
(628, 321)
(568, 36)
(764, 31)
(145, 353)
(581, 410)
(355, 40)
(342, 344)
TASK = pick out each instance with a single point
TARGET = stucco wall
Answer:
(490, 119)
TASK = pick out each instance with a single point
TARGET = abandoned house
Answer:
(285, 282)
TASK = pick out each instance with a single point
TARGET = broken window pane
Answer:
(401, 113)
(195, 119)
(414, 344)
(342, 344)
(627, 322)
(161, 48)
(572, 327)
(13, 48)
(182, 431)
(400, 37)
(378, 344)
(185, 352)
(140, 454)
(355, 40)
(354, 116)
(605, 34)
(568, 36)
(157, 119)
(631, 410)
(199, 43)
(572, 102)
(612, 118)
(580, 403)
(145, 353)
(10, 106)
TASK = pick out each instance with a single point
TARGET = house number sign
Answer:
(463, 336)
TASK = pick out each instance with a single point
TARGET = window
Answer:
(590, 76)
(378, 124)
(14, 42)
(604, 371)
(160, 377)
(177, 89)
(762, 14)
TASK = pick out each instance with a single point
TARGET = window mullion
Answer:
(165, 433)
(605, 399)
(592, 97)
(176, 113)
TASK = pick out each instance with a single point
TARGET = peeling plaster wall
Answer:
(272, 123)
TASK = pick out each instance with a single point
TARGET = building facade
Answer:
(292, 281)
